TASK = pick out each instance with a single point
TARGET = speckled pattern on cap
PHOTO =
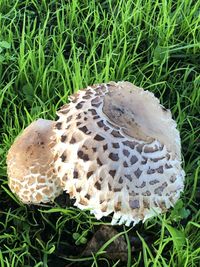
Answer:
(31, 173)
(118, 151)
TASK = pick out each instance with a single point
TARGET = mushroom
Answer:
(116, 150)
(31, 164)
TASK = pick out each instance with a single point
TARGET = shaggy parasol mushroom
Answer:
(116, 150)
(31, 164)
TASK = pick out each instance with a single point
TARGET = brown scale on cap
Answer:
(117, 150)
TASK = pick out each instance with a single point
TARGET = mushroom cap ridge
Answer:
(118, 151)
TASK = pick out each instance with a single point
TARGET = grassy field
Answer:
(48, 50)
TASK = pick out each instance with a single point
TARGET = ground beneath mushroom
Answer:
(69, 252)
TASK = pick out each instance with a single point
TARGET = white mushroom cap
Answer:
(30, 164)
(119, 151)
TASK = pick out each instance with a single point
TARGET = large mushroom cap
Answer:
(30, 164)
(119, 151)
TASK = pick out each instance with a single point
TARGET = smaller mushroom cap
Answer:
(30, 164)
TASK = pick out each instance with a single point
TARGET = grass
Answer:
(48, 50)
